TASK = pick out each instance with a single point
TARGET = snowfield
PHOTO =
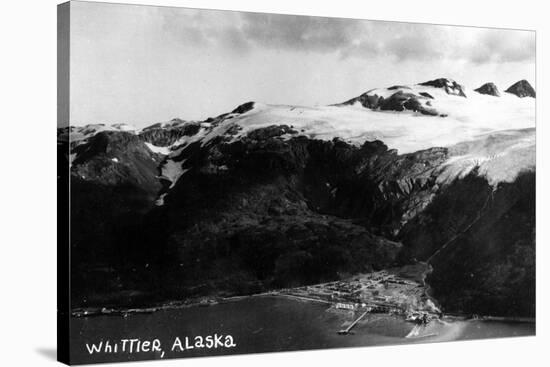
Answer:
(496, 134)
(406, 131)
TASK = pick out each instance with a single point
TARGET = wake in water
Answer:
(437, 330)
(419, 331)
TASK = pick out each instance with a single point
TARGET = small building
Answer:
(345, 306)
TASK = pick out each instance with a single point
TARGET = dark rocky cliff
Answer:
(480, 241)
(293, 212)
(166, 136)
(113, 185)
(264, 212)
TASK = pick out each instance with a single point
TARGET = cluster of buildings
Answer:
(377, 292)
(373, 292)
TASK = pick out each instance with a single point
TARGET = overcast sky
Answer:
(145, 64)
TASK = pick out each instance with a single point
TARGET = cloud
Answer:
(298, 32)
(504, 46)
(243, 32)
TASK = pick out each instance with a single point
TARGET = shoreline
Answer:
(399, 291)
(125, 312)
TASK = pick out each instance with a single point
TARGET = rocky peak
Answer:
(488, 88)
(245, 107)
(450, 86)
(522, 89)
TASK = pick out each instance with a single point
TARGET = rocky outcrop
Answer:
(398, 101)
(271, 132)
(245, 107)
(366, 100)
(116, 158)
(401, 101)
(167, 136)
(489, 89)
(450, 86)
(175, 122)
(522, 89)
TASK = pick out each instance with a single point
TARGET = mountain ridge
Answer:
(449, 85)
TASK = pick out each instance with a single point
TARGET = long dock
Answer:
(348, 329)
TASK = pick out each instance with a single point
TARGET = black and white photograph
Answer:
(274, 183)
(237, 182)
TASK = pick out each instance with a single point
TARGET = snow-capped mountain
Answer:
(372, 116)
(433, 171)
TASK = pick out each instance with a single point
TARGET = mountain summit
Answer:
(522, 89)
(488, 88)
(449, 85)
(415, 98)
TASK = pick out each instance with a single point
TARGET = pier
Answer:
(348, 329)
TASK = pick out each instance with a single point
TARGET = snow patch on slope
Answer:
(157, 149)
(172, 171)
(500, 156)
(172, 167)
